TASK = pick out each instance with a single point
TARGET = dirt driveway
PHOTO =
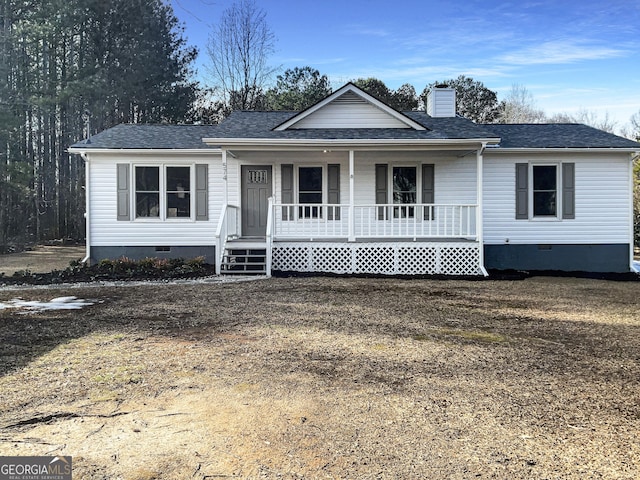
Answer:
(41, 259)
(328, 378)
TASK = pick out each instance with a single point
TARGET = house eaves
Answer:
(503, 150)
(347, 144)
(146, 151)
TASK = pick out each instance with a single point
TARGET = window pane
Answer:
(404, 197)
(306, 197)
(310, 179)
(178, 179)
(404, 184)
(148, 179)
(544, 204)
(147, 204)
(544, 190)
(178, 192)
(178, 205)
(544, 177)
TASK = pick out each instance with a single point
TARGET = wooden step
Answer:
(244, 261)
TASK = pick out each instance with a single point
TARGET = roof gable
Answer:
(349, 107)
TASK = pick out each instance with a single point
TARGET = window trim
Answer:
(396, 207)
(163, 216)
(324, 191)
(324, 187)
(559, 187)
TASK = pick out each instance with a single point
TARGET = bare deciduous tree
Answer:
(239, 48)
(520, 107)
(587, 117)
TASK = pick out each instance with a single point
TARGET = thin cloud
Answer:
(368, 31)
(560, 52)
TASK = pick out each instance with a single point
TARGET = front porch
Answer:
(389, 239)
(383, 211)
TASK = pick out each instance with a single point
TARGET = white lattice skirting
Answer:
(402, 258)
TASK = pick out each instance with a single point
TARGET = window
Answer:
(147, 192)
(405, 187)
(162, 192)
(310, 191)
(159, 189)
(178, 192)
(545, 190)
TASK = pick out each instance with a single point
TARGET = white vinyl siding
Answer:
(106, 230)
(455, 178)
(602, 204)
(349, 111)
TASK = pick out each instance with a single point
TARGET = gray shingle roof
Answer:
(260, 125)
(557, 135)
(250, 124)
(150, 136)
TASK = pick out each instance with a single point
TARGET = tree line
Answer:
(68, 69)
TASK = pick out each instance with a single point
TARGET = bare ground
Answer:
(41, 259)
(329, 378)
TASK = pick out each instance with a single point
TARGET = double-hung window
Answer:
(310, 191)
(162, 192)
(545, 191)
(405, 188)
(147, 192)
(178, 182)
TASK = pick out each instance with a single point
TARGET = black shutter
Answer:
(428, 189)
(522, 191)
(333, 191)
(568, 190)
(286, 171)
(123, 191)
(202, 192)
(382, 170)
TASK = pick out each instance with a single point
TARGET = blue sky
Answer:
(570, 55)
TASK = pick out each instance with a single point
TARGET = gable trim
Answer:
(350, 87)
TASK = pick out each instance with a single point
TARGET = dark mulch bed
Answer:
(110, 270)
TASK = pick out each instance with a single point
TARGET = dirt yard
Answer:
(328, 378)
(41, 259)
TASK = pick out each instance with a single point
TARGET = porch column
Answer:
(479, 214)
(224, 177)
(352, 191)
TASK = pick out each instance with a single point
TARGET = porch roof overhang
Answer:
(462, 144)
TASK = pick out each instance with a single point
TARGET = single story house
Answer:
(352, 186)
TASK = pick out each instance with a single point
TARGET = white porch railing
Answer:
(310, 221)
(228, 227)
(331, 221)
(413, 221)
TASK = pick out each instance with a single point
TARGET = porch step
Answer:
(244, 261)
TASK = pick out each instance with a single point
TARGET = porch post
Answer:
(352, 190)
(479, 208)
(224, 176)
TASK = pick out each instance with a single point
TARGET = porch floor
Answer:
(253, 241)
